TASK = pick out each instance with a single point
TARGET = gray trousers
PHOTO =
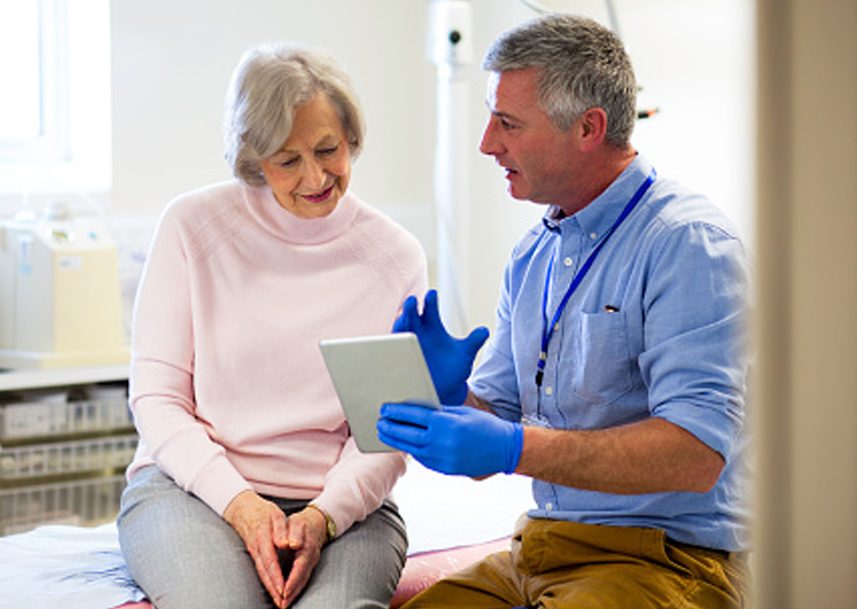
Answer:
(184, 555)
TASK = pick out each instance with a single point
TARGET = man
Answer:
(616, 375)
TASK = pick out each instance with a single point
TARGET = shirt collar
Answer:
(600, 214)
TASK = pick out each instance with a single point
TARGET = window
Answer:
(55, 107)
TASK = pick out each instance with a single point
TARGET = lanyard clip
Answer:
(540, 368)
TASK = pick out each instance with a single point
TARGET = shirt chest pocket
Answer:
(603, 355)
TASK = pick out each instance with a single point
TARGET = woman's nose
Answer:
(313, 175)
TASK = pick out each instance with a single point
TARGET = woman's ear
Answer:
(592, 129)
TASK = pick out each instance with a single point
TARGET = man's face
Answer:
(539, 160)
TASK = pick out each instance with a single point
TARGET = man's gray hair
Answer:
(269, 82)
(581, 65)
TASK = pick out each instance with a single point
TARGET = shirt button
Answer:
(593, 236)
(548, 390)
(549, 506)
(568, 262)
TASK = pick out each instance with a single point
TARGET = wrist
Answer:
(515, 448)
(329, 523)
(236, 504)
(456, 397)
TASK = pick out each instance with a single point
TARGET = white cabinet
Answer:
(66, 437)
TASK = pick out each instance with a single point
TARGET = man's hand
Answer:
(450, 360)
(453, 439)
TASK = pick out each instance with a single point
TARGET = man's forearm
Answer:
(646, 457)
(476, 402)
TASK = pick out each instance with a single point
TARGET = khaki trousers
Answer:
(555, 564)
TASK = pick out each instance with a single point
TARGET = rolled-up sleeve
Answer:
(694, 360)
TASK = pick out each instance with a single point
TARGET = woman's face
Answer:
(311, 171)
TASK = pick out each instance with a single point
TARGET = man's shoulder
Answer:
(674, 207)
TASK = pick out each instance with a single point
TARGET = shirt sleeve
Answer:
(161, 388)
(695, 348)
(495, 378)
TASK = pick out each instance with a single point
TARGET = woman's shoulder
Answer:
(199, 216)
(382, 228)
(206, 201)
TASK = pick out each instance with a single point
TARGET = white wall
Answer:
(172, 61)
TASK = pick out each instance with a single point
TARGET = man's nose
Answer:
(489, 144)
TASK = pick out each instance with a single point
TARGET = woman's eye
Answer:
(289, 162)
(327, 151)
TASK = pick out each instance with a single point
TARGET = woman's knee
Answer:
(180, 552)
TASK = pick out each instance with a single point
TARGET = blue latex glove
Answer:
(453, 439)
(450, 360)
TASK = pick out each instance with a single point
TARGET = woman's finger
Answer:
(306, 559)
(262, 569)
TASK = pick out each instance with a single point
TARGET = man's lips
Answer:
(509, 172)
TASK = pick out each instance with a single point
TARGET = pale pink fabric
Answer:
(228, 387)
(422, 570)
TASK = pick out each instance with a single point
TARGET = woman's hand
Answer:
(262, 526)
(306, 532)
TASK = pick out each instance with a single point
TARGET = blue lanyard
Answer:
(548, 329)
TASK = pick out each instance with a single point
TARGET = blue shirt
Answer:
(656, 328)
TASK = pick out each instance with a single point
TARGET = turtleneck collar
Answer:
(265, 209)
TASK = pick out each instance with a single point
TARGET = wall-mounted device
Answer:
(60, 300)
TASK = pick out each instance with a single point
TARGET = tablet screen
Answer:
(369, 370)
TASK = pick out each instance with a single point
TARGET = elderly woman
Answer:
(247, 489)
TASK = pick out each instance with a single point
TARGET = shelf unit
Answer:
(12, 380)
(66, 437)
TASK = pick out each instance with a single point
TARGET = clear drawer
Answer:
(76, 456)
(83, 502)
(54, 418)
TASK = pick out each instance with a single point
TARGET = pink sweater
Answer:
(228, 387)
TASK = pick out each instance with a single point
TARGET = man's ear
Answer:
(592, 129)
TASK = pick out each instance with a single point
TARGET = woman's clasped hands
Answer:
(268, 533)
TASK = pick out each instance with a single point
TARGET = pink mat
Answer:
(421, 570)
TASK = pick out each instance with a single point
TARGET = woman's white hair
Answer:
(269, 82)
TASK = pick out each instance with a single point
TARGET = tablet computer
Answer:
(368, 371)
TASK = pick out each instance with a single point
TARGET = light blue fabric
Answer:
(64, 566)
(655, 329)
